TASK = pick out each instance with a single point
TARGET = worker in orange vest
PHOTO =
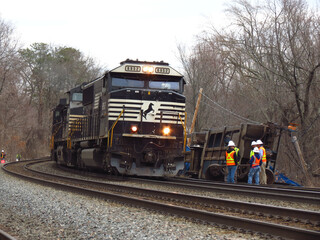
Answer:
(232, 160)
(262, 150)
(255, 162)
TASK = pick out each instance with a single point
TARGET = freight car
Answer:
(207, 156)
(129, 121)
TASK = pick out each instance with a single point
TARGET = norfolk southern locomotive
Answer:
(129, 121)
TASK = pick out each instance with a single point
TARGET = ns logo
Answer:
(147, 110)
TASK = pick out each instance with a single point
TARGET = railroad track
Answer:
(6, 236)
(231, 214)
(285, 194)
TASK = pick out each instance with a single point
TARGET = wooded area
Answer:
(31, 82)
(264, 66)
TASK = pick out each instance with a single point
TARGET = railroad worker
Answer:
(263, 176)
(255, 163)
(18, 157)
(253, 145)
(2, 155)
(232, 159)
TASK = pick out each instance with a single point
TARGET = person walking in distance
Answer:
(255, 162)
(2, 156)
(232, 159)
(262, 150)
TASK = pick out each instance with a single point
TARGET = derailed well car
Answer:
(206, 158)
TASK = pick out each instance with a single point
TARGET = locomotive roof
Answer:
(154, 68)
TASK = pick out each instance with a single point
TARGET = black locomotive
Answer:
(129, 121)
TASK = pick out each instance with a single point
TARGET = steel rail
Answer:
(305, 215)
(253, 191)
(307, 192)
(6, 236)
(230, 221)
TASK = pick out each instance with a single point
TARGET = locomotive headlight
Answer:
(147, 69)
(166, 131)
(134, 128)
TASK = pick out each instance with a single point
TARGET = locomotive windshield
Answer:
(121, 82)
(146, 83)
(164, 85)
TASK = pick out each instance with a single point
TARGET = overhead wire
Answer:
(230, 112)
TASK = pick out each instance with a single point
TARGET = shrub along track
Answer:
(269, 220)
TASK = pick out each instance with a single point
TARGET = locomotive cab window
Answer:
(57, 114)
(77, 97)
(122, 82)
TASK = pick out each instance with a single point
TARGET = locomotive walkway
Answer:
(202, 208)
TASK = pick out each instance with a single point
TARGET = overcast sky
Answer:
(111, 31)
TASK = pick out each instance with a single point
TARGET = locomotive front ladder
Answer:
(110, 132)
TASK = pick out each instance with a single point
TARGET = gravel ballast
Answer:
(33, 211)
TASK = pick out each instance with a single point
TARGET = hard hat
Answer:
(259, 142)
(231, 144)
(256, 150)
(2, 150)
(254, 143)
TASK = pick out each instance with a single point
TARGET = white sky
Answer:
(111, 31)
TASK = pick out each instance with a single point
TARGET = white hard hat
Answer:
(231, 144)
(253, 143)
(259, 142)
(2, 150)
(256, 150)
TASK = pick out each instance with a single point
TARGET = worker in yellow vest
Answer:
(262, 151)
(253, 145)
(232, 160)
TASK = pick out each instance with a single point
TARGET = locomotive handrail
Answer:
(109, 144)
(185, 130)
(54, 134)
(74, 125)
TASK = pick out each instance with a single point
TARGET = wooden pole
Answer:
(195, 113)
(196, 110)
(303, 163)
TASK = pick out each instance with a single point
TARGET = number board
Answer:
(131, 68)
(162, 70)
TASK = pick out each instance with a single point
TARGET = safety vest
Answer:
(251, 153)
(230, 158)
(237, 150)
(264, 156)
(256, 161)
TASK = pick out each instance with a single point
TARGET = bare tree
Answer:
(271, 51)
(8, 52)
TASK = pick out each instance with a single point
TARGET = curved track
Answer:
(281, 193)
(202, 208)
(6, 236)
